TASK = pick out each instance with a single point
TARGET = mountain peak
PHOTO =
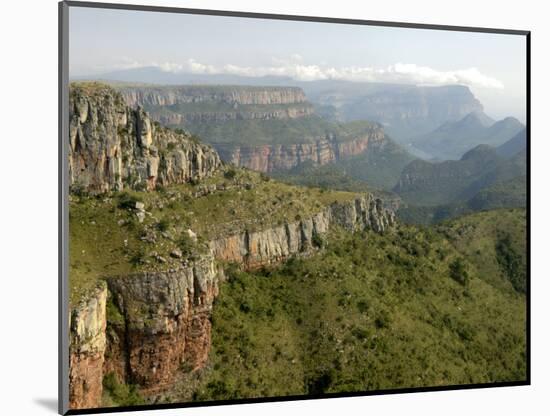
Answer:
(477, 118)
(480, 151)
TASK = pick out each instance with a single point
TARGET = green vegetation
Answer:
(329, 176)
(378, 167)
(481, 180)
(274, 131)
(116, 393)
(108, 240)
(511, 261)
(372, 311)
(495, 243)
(506, 194)
(224, 107)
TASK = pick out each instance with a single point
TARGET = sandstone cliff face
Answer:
(87, 350)
(245, 95)
(113, 146)
(253, 249)
(162, 325)
(268, 158)
(167, 322)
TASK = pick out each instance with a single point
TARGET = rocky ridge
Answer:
(114, 146)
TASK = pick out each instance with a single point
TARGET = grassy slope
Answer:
(371, 312)
(100, 246)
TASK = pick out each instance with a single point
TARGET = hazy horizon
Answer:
(491, 65)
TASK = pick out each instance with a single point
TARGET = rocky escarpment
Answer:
(166, 318)
(148, 328)
(253, 249)
(144, 327)
(260, 128)
(183, 105)
(268, 158)
(113, 146)
(87, 323)
(245, 95)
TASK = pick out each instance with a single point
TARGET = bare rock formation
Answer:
(113, 146)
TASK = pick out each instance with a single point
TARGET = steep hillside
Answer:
(378, 168)
(425, 183)
(452, 139)
(513, 146)
(495, 242)
(506, 194)
(404, 309)
(192, 279)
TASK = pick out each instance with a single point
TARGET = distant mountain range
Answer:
(427, 183)
(515, 145)
(404, 110)
(484, 178)
(453, 138)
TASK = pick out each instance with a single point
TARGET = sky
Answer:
(492, 65)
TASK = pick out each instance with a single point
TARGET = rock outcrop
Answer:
(268, 158)
(88, 323)
(113, 146)
(157, 323)
(253, 249)
(166, 322)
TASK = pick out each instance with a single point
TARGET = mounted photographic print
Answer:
(264, 207)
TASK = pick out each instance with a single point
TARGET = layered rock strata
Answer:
(113, 146)
(253, 249)
(268, 158)
(156, 325)
(87, 323)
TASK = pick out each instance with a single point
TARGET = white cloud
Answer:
(295, 68)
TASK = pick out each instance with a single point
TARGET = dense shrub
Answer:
(128, 201)
(511, 262)
(229, 173)
(122, 394)
(458, 271)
